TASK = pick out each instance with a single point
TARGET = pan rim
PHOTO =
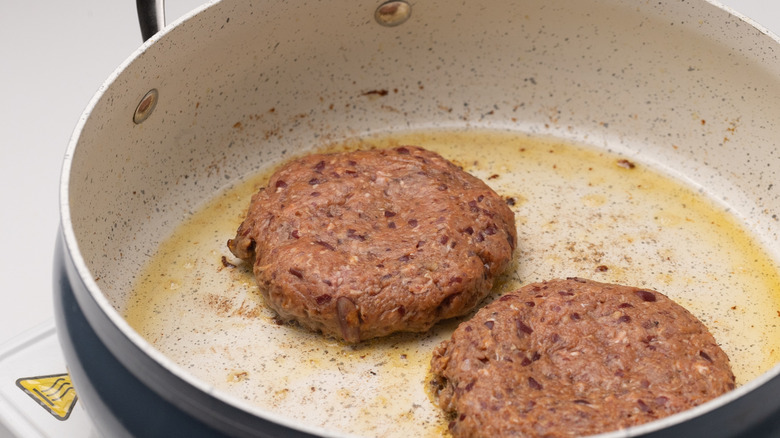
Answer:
(73, 250)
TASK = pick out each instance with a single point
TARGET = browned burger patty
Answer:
(363, 244)
(568, 358)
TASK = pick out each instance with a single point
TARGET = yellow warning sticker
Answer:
(54, 393)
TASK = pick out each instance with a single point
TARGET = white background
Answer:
(53, 57)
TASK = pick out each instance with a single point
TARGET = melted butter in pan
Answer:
(579, 211)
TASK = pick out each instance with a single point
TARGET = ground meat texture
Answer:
(569, 358)
(366, 243)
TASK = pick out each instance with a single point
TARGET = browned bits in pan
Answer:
(381, 92)
(226, 263)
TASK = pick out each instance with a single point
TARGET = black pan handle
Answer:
(151, 16)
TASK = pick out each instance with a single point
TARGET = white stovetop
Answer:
(53, 57)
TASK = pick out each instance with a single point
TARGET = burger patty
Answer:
(366, 243)
(574, 357)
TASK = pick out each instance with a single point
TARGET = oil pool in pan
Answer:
(579, 211)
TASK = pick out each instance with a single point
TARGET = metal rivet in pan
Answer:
(146, 106)
(393, 13)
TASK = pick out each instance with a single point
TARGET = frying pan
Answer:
(236, 87)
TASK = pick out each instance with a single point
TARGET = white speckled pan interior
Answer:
(684, 87)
